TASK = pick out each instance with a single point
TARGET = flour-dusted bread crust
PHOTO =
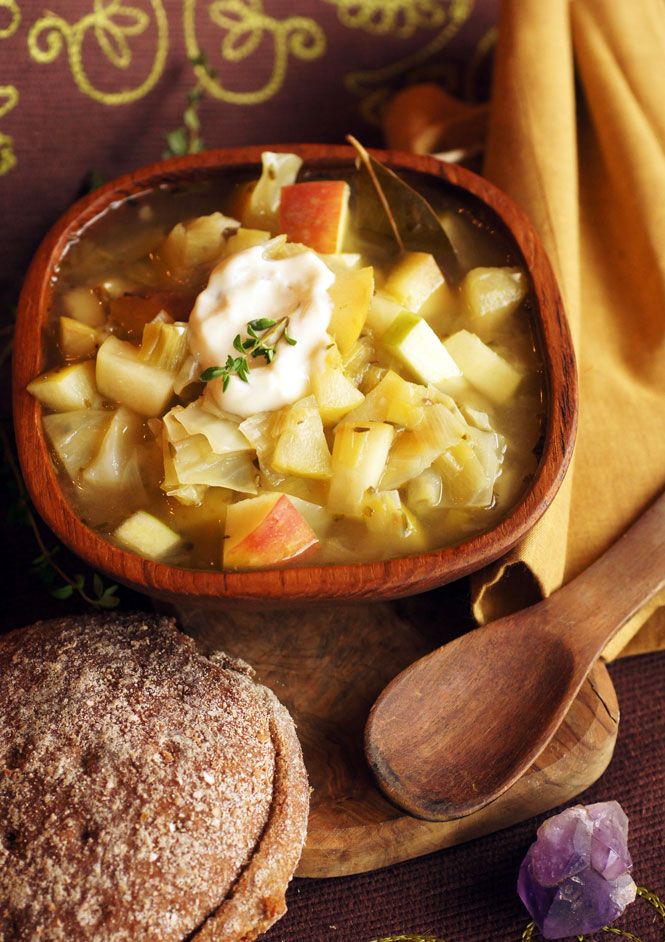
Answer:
(146, 791)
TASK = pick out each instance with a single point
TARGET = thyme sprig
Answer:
(234, 365)
(263, 335)
(45, 566)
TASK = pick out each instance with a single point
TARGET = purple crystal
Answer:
(575, 878)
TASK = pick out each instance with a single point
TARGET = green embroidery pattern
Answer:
(112, 23)
(8, 93)
(246, 25)
(8, 99)
(400, 18)
(375, 86)
(12, 7)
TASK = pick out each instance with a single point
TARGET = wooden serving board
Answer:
(327, 665)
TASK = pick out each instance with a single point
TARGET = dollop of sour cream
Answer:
(251, 285)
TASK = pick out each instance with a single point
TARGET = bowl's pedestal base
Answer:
(328, 665)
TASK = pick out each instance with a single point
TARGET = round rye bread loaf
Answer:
(146, 791)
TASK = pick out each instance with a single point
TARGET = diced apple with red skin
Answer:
(265, 531)
(315, 214)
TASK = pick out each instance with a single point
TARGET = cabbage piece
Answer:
(190, 372)
(477, 418)
(415, 449)
(200, 241)
(116, 466)
(75, 436)
(194, 462)
(424, 492)
(490, 449)
(388, 519)
(278, 170)
(190, 495)
(222, 434)
(262, 431)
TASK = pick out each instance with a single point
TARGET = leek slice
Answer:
(164, 345)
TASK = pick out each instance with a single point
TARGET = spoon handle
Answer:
(629, 574)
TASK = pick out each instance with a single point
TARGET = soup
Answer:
(247, 373)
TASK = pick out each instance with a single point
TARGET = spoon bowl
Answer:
(488, 703)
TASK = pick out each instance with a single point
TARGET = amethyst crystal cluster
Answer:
(576, 878)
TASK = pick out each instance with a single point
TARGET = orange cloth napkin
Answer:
(587, 165)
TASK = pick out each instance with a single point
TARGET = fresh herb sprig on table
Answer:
(262, 338)
(45, 566)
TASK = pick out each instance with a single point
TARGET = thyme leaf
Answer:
(258, 346)
(263, 323)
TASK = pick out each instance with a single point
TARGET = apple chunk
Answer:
(264, 531)
(315, 214)
(412, 340)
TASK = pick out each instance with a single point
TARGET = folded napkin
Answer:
(587, 165)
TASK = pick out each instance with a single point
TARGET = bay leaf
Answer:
(387, 206)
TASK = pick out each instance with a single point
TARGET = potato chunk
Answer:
(492, 294)
(483, 367)
(148, 536)
(83, 305)
(301, 447)
(123, 377)
(67, 388)
(335, 394)
(77, 340)
(413, 279)
(399, 530)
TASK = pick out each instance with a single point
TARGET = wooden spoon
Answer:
(458, 727)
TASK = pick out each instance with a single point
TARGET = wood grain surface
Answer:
(305, 584)
(327, 665)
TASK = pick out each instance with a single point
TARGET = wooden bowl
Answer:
(392, 578)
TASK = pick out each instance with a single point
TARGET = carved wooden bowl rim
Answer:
(386, 579)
